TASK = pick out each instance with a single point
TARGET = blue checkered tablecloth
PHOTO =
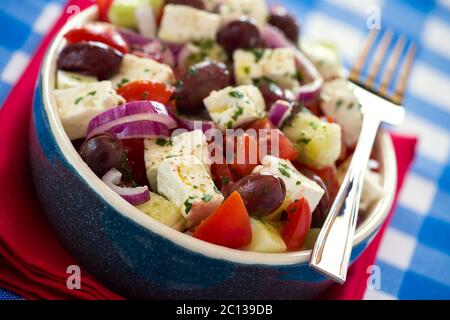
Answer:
(414, 257)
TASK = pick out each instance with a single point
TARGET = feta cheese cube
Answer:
(372, 189)
(247, 66)
(319, 142)
(257, 10)
(191, 143)
(136, 68)
(155, 151)
(325, 58)
(65, 79)
(212, 5)
(339, 102)
(372, 186)
(277, 65)
(232, 107)
(181, 24)
(297, 185)
(185, 182)
(78, 105)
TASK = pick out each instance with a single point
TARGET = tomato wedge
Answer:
(228, 226)
(329, 177)
(98, 33)
(245, 155)
(297, 226)
(287, 149)
(135, 165)
(103, 9)
(146, 90)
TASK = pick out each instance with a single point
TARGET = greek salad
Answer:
(212, 117)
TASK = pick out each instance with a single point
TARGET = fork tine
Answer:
(391, 66)
(399, 91)
(378, 58)
(357, 67)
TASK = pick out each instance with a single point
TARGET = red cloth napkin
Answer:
(32, 261)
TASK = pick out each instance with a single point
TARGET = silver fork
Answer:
(332, 250)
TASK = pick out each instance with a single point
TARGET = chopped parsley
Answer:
(236, 94)
(304, 140)
(339, 103)
(77, 100)
(247, 70)
(205, 50)
(229, 124)
(216, 190)
(145, 95)
(188, 204)
(147, 70)
(224, 180)
(92, 93)
(205, 45)
(350, 105)
(298, 183)
(262, 80)
(125, 169)
(284, 172)
(258, 53)
(193, 71)
(313, 125)
(122, 82)
(162, 142)
(239, 111)
(207, 197)
(285, 166)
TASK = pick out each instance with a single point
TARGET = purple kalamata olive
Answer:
(262, 194)
(239, 34)
(102, 153)
(90, 58)
(198, 83)
(287, 23)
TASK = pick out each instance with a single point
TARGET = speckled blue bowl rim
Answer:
(365, 231)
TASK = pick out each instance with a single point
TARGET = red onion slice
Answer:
(142, 117)
(191, 124)
(274, 38)
(308, 70)
(130, 112)
(135, 196)
(183, 55)
(140, 129)
(149, 47)
(279, 111)
(135, 40)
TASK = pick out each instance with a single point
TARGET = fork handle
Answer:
(331, 253)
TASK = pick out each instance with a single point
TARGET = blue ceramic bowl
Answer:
(141, 258)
